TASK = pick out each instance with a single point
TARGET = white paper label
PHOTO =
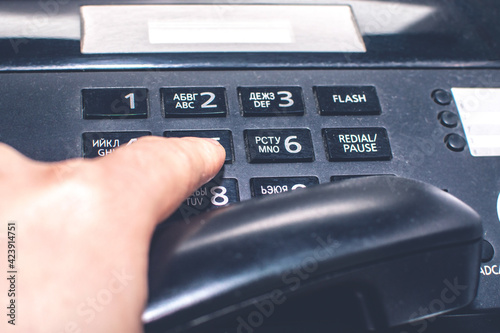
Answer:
(479, 110)
(219, 28)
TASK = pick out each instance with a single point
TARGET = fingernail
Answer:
(212, 141)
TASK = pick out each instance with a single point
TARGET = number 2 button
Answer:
(194, 102)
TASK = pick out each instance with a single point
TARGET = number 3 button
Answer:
(194, 102)
(279, 145)
(271, 101)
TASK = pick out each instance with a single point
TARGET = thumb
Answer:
(156, 174)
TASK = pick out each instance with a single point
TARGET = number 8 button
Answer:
(279, 145)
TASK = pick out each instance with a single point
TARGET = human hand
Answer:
(83, 229)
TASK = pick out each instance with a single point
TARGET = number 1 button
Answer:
(194, 102)
(115, 103)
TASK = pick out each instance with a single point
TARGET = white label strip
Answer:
(215, 32)
(479, 110)
(219, 28)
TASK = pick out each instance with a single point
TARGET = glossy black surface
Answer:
(367, 235)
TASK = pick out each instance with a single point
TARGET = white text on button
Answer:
(349, 99)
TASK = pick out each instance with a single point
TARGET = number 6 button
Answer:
(279, 145)
(271, 101)
(194, 102)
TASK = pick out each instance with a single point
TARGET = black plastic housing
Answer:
(396, 244)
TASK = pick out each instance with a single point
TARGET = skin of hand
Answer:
(83, 229)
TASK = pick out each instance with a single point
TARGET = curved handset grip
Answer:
(399, 242)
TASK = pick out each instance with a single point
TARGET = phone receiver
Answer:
(397, 244)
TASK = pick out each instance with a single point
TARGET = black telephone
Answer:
(380, 120)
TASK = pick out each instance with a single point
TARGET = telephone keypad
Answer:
(262, 145)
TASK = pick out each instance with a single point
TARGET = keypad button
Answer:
(194, 102)
(103, 143)
(279, 145)
(115, 103)
(448, 119)
(487, 251)
(357, 144)
(347, 100)
(455, 142)
(441, 97)
(224, 137)
(275, 185)
(271, 101)
(219, 192)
